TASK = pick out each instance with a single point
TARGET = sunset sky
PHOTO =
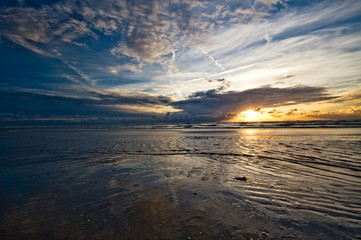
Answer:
(180, 60)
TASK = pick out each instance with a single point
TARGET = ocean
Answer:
(285, 180)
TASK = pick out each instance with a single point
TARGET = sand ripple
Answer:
(180, 183)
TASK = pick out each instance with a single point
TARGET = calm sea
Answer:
(291, 180)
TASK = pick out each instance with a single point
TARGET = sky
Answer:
(179, 60)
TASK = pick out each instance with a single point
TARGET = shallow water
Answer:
(174, 183)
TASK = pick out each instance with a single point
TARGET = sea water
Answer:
(187, 181)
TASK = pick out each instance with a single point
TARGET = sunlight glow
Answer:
(250, 115)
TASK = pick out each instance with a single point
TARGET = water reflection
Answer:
(249, 131)
(298, 132)
(167, 185)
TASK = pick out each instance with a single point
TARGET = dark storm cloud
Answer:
(108, 98)
(95, 104)
(214, 103)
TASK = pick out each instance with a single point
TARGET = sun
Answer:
(250, 116)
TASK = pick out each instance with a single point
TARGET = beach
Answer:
(187, 181)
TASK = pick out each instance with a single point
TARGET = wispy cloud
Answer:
(126, 67)
(234, 54)
(38, 29)
(150, 30)
(309, 43)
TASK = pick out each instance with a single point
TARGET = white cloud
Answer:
(150, 30)
(303, 44)
(126, 67)
(237, 41)
(18, 39)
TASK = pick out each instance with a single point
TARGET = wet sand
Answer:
(180, 184)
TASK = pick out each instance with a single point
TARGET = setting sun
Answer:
(250, 115)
